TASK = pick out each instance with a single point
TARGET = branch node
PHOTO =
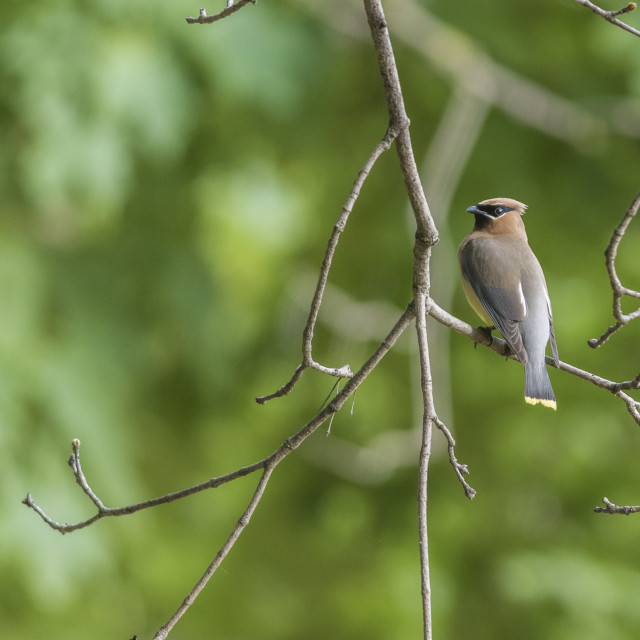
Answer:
(231, 7)
(615, 509)
(460, 469)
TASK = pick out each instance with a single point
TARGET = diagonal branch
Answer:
(500, 347)
(307, 335)
(289, 445)
(231, 7)
(104, 512)
(267, 465)
(610, 16)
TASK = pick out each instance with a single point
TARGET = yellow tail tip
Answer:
(546, 403)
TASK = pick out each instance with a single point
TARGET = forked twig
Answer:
(307, 335)
(267, 465)
(104, 512)
(619, 291)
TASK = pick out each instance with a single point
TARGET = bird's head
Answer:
(499, 215)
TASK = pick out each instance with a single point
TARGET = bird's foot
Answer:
(487, 332)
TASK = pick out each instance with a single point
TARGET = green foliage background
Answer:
(167, 192)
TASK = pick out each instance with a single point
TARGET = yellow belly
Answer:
(472, 298)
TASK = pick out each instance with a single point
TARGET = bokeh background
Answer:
(167, 192)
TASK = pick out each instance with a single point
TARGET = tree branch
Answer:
(614, 508)
(267, 465)
(500, 346)
(476, 72)
(307, 335)
(611, 253)
(610, 16)
(104, 512)
(425, 237)
(231, 7)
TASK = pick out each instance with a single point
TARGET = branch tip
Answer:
(615, 509)
(630, 7)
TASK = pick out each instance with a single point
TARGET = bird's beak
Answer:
(475, 211)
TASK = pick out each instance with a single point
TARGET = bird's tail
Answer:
(537, 386)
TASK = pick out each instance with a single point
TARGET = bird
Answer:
(504, 284)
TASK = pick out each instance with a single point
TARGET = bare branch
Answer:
(633, 406)
(231, 7)
(474, 70)
(426, 236)
(460, 469)
(614, 508)
(103, 512)
(283, 451)
(611, 253)
(610, 16)
(500, 346)
(221, 555)
(268, 465)
(307, 335)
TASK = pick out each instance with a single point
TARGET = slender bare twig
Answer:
(425, 237)
(163, 632)
(460, 469)
(231, 7)
(614, 508)
(307, 335)
(610, 16)
(611, 253)
(103, 512)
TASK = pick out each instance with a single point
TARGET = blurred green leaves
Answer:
(165, 192)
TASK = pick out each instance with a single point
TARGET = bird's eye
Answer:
(500, 210)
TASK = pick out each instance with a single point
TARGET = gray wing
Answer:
(505, 305)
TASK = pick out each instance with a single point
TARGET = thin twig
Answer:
(460, 469)
(104, 512)
(614, 508)
(163, 632)
(307, 335)
(203, 18)
(474, 70)
(428, 417)
(611, 253)
(610, 16)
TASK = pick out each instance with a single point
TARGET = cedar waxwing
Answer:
(504, 283)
